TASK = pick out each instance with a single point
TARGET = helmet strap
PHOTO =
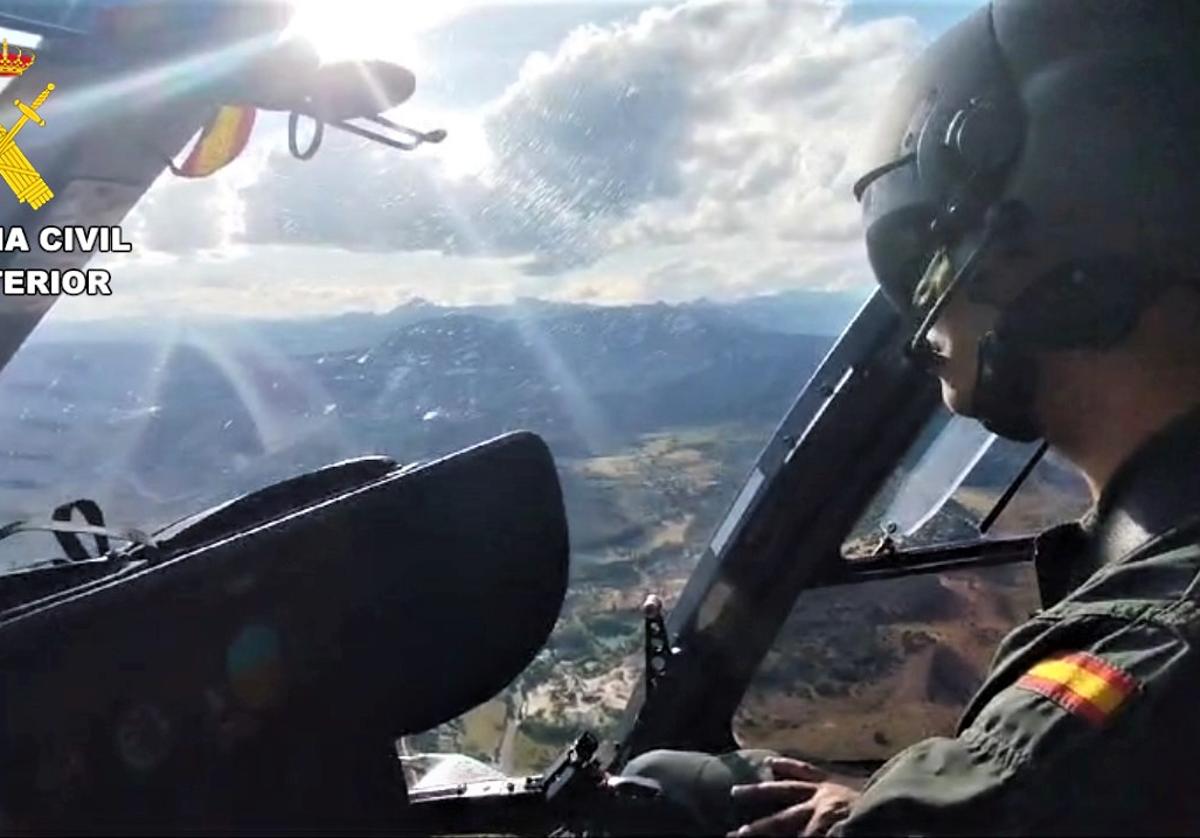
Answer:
(1006, 382)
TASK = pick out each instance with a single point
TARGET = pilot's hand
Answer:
(810, 800)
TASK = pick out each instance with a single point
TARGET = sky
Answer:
(605, 151)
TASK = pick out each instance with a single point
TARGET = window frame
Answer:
(854, 419)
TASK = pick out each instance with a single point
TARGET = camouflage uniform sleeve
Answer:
(1066, 743)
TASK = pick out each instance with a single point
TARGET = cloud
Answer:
(775, 148)
(185, 217)
(469, 61)
(706, 122)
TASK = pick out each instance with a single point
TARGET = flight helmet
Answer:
(1064, 130)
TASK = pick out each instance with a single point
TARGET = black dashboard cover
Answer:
(259, 679)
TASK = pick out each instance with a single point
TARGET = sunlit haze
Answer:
(355, 29)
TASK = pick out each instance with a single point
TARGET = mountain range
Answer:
(798, 312)
(159, 423)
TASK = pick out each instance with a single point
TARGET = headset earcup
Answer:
(1082, 304)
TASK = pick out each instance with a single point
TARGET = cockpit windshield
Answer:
(637, 240)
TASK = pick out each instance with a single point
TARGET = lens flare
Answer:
(346, 30)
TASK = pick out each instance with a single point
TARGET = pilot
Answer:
(1034, 212)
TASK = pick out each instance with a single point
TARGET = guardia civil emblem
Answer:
(22, 178)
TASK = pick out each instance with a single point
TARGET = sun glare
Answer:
(344, 30)
(348, 30)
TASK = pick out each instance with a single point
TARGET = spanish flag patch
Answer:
(1081, 684)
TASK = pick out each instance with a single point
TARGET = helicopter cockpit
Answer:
(417, 478)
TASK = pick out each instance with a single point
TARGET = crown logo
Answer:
(14, 65)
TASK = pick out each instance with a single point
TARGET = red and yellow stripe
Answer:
(220, 143)
(1081, 684)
